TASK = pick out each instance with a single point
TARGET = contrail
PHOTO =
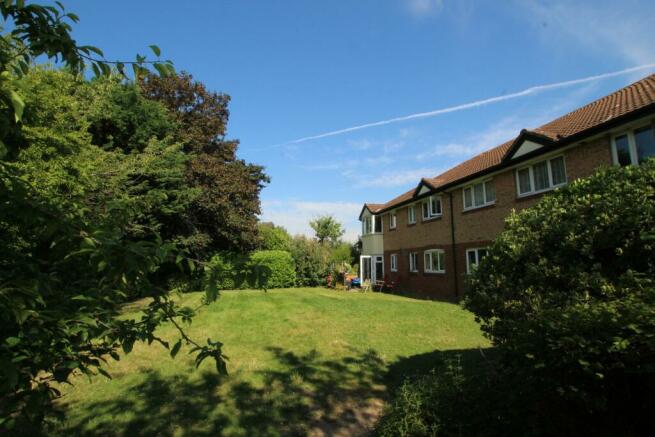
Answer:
(528, 91)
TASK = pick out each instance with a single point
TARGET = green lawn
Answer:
(302, 361)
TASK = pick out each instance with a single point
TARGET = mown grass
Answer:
(302, 361)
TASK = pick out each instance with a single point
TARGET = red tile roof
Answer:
(594, 115)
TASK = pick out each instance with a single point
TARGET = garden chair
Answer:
(366, 286)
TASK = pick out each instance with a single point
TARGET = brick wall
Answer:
(474, 228)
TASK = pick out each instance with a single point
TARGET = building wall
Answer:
(473, 228)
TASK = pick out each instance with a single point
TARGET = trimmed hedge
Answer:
(272, 269)
(261, 269)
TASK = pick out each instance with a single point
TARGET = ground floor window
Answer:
(379, 268)
(473, 257)
(413, 266)
(435, 261)
(394, 262)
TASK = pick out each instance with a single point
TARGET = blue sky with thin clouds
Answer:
(298, 69)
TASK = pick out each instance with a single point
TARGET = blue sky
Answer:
(298, 69)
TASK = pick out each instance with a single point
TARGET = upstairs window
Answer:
(434, 261)
(411, 214)
(392, 220)
(377, 224)
(634, 147)
(541, 176)
(431, 207)
(394, 262)
(367, 225)
(473, 258)
(479, 195)
(413, 266)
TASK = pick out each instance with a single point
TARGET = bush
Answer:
(273, 237)
(311, 260)
(262, 269)
(272, 269)
(567, 295)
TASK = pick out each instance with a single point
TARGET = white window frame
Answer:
(375, 220)
(428, 266)
(393, 261)
(484, 195)
(431, 214)
(632, 144)
(411, 218)
(392, 220)
(530, 167)
(367, 225)
(476, 250)
(413, 262)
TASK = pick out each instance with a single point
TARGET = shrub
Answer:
(271, 269)
(312, 261)
(273, 237)
(262, 269)
(567, 295)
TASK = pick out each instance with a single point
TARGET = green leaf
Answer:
(3, 150)
(12, 341)
(176, 348)
(102, 265)
(18, 104)
(104, 373)
(155, 50)
(127, 346)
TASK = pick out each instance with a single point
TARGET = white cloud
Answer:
(295, 215)
(395, 178)
(607, 27)
(424, 7)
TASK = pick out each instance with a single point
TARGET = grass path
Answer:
(302, 361)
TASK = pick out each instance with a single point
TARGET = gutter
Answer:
(452, 238)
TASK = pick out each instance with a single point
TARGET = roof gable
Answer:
(527, 142)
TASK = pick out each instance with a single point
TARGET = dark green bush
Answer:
(567, 295)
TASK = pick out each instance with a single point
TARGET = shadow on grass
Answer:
(308, 394)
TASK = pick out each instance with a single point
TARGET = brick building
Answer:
(427, 239)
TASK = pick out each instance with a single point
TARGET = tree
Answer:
(274, 237)
(224, 215)
(327, 229)
(78, 223)
(567, 295)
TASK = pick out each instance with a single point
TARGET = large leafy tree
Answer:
(79, 221)
(224, 215)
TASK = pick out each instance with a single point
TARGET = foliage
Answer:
(224, 214)
(45, 31)
(312, 261)
(567, 295)
(272, 269)
(327, 229)
(261, 269)
(273, 237)
(80, 221)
